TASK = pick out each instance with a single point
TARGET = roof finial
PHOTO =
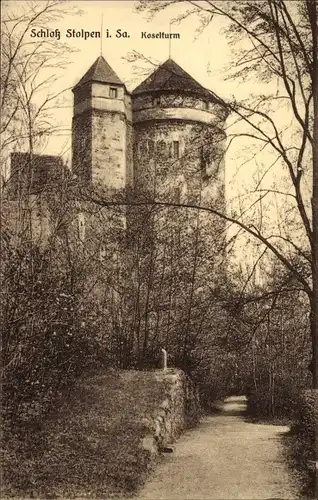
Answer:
(101, 35)
(170, 40)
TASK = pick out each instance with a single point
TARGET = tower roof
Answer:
(100, 71)
(170, 76)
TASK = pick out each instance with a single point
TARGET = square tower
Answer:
(102, 129)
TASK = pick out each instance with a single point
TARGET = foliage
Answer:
(274, 40)
(89, 445)
(76, 297)
(30, 77)
(43, 347)
(274, 337)
(302, 442)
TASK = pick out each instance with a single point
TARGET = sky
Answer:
(205, 56)
(193, 54)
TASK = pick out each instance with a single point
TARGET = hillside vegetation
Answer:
(91, 445)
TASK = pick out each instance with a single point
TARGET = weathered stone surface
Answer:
(178, 411)
(102, 135)
(163, 142)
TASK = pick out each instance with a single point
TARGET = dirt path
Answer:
(224, 458)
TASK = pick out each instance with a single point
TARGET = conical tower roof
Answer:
(170, 76)
(100, 71)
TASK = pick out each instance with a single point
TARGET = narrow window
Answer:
(162, 148)
(203, 162)
(81, 226)
(151, 148)
(206, 105)
(38, 206)
(102, 253)
(206, 163)
(113, 93)
(177, 194)
(176, 151)
(156, 101)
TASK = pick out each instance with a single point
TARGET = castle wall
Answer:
(184, 113)
(27, 218)
(179, 151)
(178, 100)
(82, 146)
(129, 141)
(103, 135)
(108, 149)
(178, 139)
(158, 169)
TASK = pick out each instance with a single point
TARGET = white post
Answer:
(164, 359)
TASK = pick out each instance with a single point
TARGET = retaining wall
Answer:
(179, 410)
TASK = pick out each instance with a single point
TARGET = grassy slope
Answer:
(91, 447)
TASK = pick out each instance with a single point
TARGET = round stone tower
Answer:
(178, 138)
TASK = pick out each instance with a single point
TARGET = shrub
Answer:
(279, 400)
(303, 448)
(44, 346)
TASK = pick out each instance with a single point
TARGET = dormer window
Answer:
(113, 92)
(156, 101)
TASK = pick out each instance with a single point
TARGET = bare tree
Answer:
(280, 42)
(30, 71)
(29, 95)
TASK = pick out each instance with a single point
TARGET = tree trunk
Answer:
(313, 331)
(312, 11)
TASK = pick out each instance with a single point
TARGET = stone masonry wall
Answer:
(179, 410)
(82, 146)
(157, 168)
(109, 149)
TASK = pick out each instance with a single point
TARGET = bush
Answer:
(303, 447)
(91, 446)
(279, 401)
(44, 346)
